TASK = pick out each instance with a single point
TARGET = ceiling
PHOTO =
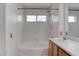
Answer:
(74, 6)
(37, 5)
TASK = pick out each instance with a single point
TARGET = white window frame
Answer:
(41, 20)
(37, 18)
(31, 20)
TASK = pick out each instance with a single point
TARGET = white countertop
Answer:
(70, 46)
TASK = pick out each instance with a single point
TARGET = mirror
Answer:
(73, 21)
(54, 22)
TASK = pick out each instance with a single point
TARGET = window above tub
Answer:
(36, 18)
(31, 18)
(41, 18)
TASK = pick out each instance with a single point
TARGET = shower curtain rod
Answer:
(48, 9)
(35, 8)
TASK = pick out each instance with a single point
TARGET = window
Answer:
(71, 18)
(31, 18)
(34, 18)
(19, 18)
(41, 18)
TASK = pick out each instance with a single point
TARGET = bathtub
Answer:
(34, 48)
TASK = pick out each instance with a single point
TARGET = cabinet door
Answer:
(50, 50)
(55, 50)
(63, 53)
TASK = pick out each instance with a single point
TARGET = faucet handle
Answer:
(66, 33)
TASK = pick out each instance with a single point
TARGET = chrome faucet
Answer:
(66, 33)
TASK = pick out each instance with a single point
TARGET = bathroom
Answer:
(28, 28)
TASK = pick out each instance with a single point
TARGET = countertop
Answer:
(70, 46)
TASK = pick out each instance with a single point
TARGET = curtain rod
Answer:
(48, 9)
(34, 8)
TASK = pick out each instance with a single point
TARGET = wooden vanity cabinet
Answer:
(61, 52)
(50, 49)
(55, 50)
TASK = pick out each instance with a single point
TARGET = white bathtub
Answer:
(36, 48)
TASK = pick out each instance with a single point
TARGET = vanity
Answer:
(60, 47)
(67, 26)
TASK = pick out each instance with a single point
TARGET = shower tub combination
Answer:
(35, 48)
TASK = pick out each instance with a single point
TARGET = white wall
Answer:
(35, 31)
(2, 29)
(11, 24)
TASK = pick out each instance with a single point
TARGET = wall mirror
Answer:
(73, 21)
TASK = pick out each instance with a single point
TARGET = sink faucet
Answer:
(65, 38)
